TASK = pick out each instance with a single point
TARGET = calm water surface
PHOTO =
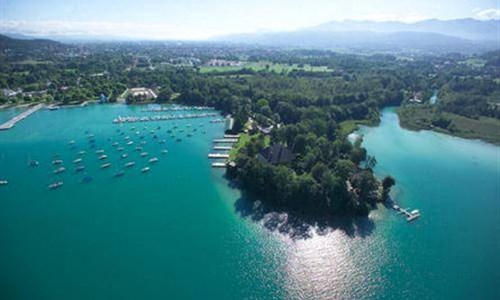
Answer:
(174, 233)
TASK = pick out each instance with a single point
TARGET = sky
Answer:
(202, 19)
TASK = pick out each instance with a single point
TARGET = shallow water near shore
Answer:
(175, 233)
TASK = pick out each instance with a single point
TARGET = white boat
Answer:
(164, 151)
(106, 165)
(153, 160)
(138, 148)
(143, 154)
(103, 157)
(130, 143)
(55, 185)
(125, 155)
(115, 144)
(145, 169)
(59, 170)
(82, 152)
(3, 182)
(77, 160)
(120, 148)
(99, 151)
(57, 162)
(71, 142)
(130, 164)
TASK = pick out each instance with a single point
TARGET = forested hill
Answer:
(24, 44)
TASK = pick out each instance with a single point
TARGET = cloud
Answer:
(155, 31)
(488, 14)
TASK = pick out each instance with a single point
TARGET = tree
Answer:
(165, 94)
(387, 183)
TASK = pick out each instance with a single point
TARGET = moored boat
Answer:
(106, 165)
(103, 157)
(143, 154)
(130, 164)
(59, 170)
(153, 160)
(145, 169)
(55, 185)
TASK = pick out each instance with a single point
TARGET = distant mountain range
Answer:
(460, 35)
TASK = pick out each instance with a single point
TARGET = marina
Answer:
(135, 119)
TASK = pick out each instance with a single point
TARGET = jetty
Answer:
(156, 118)
(231, 136)
(231, 141)
(9, 124)
(219, 165)
(218, 155)
(222, 148)
(405, 212)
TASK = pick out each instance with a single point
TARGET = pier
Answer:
(219, 165)
(135, 119)
(230, 141)
(9, 124)
(231, 136)
(409, 215)
(218, 155)
(222, 148)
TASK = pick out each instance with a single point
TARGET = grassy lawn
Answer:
(244, 138)
(349, 126)
(262, 66)
(417, 118)
(474, 62)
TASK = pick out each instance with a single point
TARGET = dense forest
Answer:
(307, 103)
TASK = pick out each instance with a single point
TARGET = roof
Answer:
(276, 154)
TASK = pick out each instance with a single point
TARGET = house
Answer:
(142, 92)
(276, 154)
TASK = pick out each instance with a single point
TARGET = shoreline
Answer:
(419, 124)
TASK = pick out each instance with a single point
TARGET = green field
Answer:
(474, 62)
(264, 66)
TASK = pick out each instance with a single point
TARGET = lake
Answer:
(176, 233)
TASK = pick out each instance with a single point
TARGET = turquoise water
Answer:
(8, 113)
(174, 233)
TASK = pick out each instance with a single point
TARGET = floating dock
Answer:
(219, 165)
(410, 216)
(222, 148)
(9, 124)
(231, 136)
(135, 119)
(232, 141)
(218, 155)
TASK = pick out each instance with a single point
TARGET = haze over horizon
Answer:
(200, 20)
